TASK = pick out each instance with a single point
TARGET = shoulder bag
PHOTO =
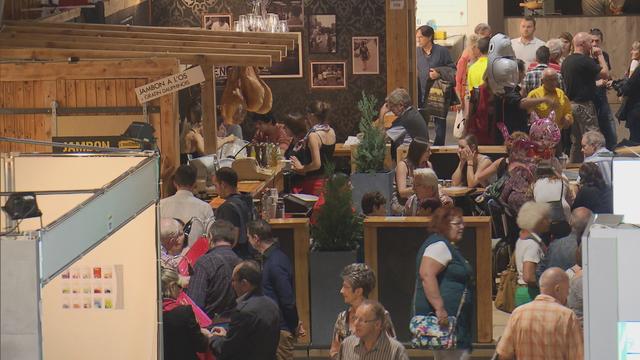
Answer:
(506, 296)
(428, 334)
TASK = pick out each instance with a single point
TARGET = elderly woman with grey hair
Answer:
(556, 47)
(533, 220)
(408, 125)
(358, 280)
(427, 197)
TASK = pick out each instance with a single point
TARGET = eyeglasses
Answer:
(357, 319)
(457, 223)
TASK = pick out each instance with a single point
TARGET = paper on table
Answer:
(351, 140)
(306, 197)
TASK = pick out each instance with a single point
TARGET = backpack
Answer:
(559, 225)
(243, 206)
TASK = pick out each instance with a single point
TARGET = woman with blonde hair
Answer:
(427, 197)
(533, 220)
(182, 337)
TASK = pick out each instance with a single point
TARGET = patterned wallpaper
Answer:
(354, 18)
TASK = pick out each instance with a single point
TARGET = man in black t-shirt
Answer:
(580, 74)
(605, 117)
(236, 209)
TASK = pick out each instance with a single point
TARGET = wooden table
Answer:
(390, 247)
(293, 235)
(458, 191)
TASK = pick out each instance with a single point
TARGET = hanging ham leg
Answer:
(268, 96)
(233, 103)
(252, 90)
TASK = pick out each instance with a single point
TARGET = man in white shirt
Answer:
(526, 45)
(183, 205)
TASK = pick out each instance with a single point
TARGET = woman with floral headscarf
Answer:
(517, 188)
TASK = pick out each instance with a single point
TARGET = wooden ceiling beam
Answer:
(217, 45)
(45, 54)
(104, 69)
(155, 29)
(200, 36)
(22, 41)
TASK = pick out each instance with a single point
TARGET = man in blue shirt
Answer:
(562, 252)
(277, 283)
(434, 62)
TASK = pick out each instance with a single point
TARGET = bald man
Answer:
(580, 73)
(544, 328)
(559, 102)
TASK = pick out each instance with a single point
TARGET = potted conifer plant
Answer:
(369, 156)
(336, 233)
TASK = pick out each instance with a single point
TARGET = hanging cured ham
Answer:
(268, 97)
(244, 91)
(233, 102)
(252, 90)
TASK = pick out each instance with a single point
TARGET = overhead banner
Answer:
(170, 84)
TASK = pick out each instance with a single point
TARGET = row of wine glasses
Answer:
(258, 23)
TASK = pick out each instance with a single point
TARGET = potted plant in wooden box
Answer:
(336, 233)
(370, 156)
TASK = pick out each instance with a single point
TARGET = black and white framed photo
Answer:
(328, 75)
(290, 10)
(365, 55)
(322, 34)
(289, 67)
(217, 22)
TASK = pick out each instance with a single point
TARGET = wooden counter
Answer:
(255, 188)
(293, 235)
(390, 247)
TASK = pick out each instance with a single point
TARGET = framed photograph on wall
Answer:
(217, 22)
(322, 34)
(289, 67)
(290, 10)
(365, 55)
(328, 75)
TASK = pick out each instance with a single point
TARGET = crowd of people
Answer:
(545, 101)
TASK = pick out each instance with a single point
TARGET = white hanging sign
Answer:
(170, 84)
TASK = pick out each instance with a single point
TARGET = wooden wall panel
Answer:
(19, 120)
(28, 125)
(25, 90)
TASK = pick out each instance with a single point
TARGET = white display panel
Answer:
(444, 13)
(611, 293)
(626, 197)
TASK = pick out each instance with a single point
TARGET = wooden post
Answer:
(397, 36)
(210, 129)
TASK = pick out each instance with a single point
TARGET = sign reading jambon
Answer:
(170, 84)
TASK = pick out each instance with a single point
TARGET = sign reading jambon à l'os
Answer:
(169, 84)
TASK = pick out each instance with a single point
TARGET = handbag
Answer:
(437, 102)
(427, 332)
(459, 129)
(506, 296)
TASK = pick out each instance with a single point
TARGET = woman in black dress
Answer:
(594, 194)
